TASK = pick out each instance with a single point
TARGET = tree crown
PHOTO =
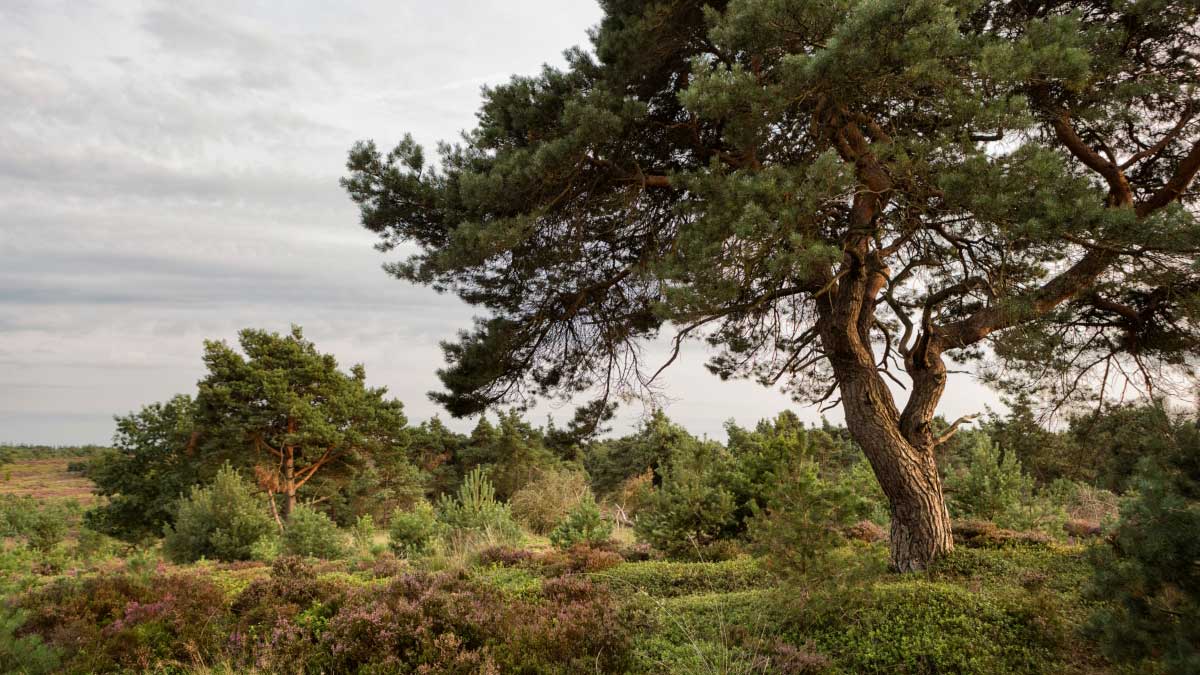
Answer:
(911, 178)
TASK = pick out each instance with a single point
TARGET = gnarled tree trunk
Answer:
(904, 466)
(898, 446)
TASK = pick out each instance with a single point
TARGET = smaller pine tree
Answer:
(312, 534)
(221, 521)
(1148, 576)
(411, 532)
(991, 486)
(583, 525)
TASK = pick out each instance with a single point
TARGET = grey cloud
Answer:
(188, 27)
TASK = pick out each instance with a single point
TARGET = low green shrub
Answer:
(222, 521)
(267, 548)
(584, 524)
(24, 655)
(93, 545)
(411, 532)
(1063, 569)
(309, 532)
(41, 523)
(670, 579)
(916, 626)
(728, 633)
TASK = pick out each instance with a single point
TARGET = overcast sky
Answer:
(168, 173)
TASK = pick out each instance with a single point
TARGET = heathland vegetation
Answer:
(518, 548)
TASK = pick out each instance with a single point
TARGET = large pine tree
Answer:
(832, 194)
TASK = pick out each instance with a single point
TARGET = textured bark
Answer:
(906, 470)
(289, 481)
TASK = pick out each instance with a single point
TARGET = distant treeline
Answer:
(11, 452)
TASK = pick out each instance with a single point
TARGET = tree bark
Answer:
(289, 480)
(907, 471)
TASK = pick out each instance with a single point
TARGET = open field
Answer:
(46, 479)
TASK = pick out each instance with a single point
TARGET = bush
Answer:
(476, 510)
(128, 622)
(412, 531)
(267, 548)
(221, 521)
(578, 559)
(363, 533)
(1084, 503)
(1148, 573)
(583, 525)
(42, 523)
(805, 517)
(924, 627)
(451, 624)
(27, 655)
(309, 532)
(94, 545)
(546, 501)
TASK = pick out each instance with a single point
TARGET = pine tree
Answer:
(287, 409)
(154, 462)
(831, 194)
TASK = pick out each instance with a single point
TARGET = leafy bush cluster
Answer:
(41, 523)
(412, 531)
(311, 533)
(783, 485)
(584, 524)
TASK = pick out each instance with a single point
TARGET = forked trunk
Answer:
(907, 473)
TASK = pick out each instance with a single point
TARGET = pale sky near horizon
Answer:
(168, 173)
